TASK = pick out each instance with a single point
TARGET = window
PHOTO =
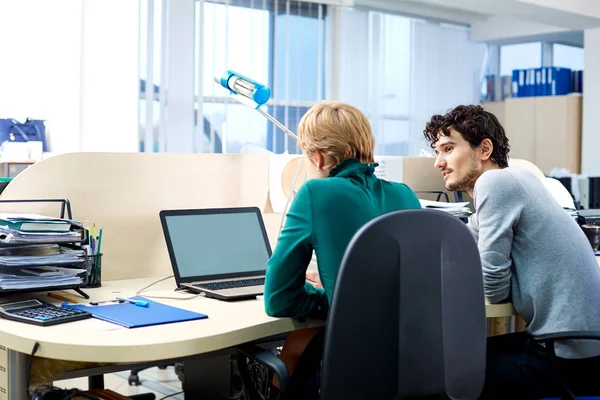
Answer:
(567, 57)
(520, 56)
(374, 74)
(398, 70)
(277, 43)
(389, 99)
(150, 46)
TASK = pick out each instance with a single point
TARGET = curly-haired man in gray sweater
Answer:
(532, 253)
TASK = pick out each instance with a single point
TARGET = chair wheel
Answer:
(162, 366)
(134, 380)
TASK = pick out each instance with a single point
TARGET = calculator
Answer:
(38, 312)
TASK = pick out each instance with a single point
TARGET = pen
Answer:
(139, 303)
(99, 242)
(59, 297)
(96, 303)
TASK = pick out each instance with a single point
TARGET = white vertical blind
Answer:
(400, 71)
(445, 73)
(396, 69)
(149, 129)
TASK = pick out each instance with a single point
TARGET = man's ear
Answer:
(486, 148)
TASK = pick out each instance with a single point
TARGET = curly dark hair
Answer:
(474, 124)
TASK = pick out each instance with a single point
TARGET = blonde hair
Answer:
(337, 130)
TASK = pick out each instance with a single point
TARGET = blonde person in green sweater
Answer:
(341, 195)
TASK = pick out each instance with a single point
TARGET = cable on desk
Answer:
(171, 395)
(36, 346)
(166, 297)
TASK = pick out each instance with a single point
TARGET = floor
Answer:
(153, 380)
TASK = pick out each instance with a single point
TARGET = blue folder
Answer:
(132, 316)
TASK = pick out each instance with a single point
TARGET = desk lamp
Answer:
(254, 95)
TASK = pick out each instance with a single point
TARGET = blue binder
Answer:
(519, 87)
(132, 316)
(531, 82)
(560, 81)
(538, 82)
(544, 85)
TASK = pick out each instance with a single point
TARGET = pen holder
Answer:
(93, 266)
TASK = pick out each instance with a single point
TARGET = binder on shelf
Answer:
(531, 86)
(515, 83)
(497, 93)
(527, 89)
(519, 83)
(543, 84)
(538, 82)
(560, 81)
(576, 81)
(506, 87)
(132, 316)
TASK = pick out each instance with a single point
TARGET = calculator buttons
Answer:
(44, 314)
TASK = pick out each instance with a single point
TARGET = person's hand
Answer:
(313, 278)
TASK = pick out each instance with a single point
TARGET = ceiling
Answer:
(505, 21)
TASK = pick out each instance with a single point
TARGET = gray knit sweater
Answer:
(535, 255)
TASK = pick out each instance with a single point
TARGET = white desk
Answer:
(228, 324)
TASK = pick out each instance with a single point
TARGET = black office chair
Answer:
(407, 318)
(549, 342)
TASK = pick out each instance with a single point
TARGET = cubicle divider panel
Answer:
(420, 174)
(124, 193)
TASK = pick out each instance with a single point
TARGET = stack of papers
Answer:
(13, 236)
(40, 255)
(34, 252)
(458, 209)
(36, 277)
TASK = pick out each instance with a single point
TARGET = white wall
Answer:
(496, 28)
(73, 63)
(40, 66)
(590, 143)
(589, 8)
(110, 83)
(180, 77)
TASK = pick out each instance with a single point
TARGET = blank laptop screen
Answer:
(213, 244)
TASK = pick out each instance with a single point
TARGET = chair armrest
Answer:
(571, 335)
(270, 360)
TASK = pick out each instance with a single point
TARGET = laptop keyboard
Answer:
(231, 284)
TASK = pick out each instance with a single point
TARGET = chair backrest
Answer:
(407, 317)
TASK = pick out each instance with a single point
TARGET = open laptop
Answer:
(221, 252)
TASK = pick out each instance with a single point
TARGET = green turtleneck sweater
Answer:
(324, 216)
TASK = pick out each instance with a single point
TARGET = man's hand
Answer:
(313, 278)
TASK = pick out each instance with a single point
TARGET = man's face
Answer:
(458, 162)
